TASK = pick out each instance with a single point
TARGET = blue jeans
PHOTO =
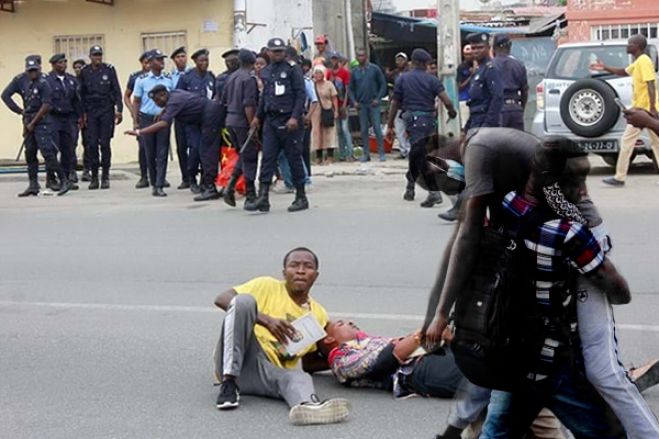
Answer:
(345, 138)
(567, 394)
(285, 169)
(371, 115)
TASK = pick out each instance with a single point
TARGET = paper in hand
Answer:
(309, 332)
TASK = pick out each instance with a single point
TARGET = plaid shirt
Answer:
(556, 245)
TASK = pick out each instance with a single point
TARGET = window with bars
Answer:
(77, 46)
(624, 31)
(166, 42)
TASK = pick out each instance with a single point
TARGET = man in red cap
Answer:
(321, 50)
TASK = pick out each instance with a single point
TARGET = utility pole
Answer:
(448, 56)
(239, 23)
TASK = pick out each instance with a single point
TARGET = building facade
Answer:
(600, 20)
(124, 28)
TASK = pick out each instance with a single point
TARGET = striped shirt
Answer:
(558, 246)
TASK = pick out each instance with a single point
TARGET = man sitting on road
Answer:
(358, 359)
(255, 333)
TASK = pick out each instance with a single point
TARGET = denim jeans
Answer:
(371, 115)
(567, 394)
(345, 138)
(285, 169)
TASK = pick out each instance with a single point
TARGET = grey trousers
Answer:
(239, 354)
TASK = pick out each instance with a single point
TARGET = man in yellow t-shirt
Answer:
(644, 96)
(256, 331)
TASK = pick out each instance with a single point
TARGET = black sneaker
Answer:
(229, 396)
(433, 198)
(409, 194)
(330, 411)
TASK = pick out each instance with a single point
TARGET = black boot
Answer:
(300, 202)
(65, 186)
(453, 213)
(208, 194)
(142, 183)
(32, 189)
(230, 192)
(194, 187)
(409, 192)
(51, 181)
(250, 192)
(450, 433)
(86, 176)
(93, 185)
(433, 198)
(73, 176)
(262, 202)
(185, 184)
(105, 179)
(158, 192)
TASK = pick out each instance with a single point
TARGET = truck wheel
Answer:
(588, 107)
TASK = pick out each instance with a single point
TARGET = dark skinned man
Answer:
(485, 87)
(514, 82)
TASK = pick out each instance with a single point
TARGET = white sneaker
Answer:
(330, 411)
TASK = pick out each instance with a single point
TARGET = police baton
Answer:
(249, 138)
(20, 151)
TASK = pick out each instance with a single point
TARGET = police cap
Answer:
(501, 40)
(95, 50)
(478, 38)
(199, 52)
(177, 51)
(155, 54)
(157, 89)
(229, 53)
(246, 56)
(421, 56)
(57, 58)
(32, 62)
(276, 44)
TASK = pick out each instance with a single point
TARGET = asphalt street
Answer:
(106, 317)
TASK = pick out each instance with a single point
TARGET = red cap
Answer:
(321, 39)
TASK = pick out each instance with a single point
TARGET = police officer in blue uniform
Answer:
(65, 111)
(485, 88)
(415, 92)
(128, 93)
(200, 81)
(515, 83)
(86, 166)
(37, 100)
(232, 64)
(180, 58)
(102, 106)
(280, 112)
(156, 146)
(240, 97)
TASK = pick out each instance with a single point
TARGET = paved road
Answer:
(106, 324)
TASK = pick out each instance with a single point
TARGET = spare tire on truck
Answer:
(588, 107)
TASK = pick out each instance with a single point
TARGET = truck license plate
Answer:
(599, 145)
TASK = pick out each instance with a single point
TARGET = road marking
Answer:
(204, 309)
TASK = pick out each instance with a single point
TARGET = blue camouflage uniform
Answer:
(34, 94)
(156, 145)
(101, 98)
(64, 114)
(514, 83)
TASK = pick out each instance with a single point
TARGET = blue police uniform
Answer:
(417, 91)
(485, 96)
(64, 112)
(156, 145)
(179, 135)
(202, 84)
(513, 79)
(34, 94)
(141, 154)
(101, 97)
(176, 75)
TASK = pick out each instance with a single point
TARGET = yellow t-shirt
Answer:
(642, 71)
(273, 300)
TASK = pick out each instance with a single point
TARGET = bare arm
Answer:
(652, 92)
(153, 128)
(314, 362)
(448, 104)
(137, 102)
(611, 283)
(127, 95)
(405, 346)
(393, 109)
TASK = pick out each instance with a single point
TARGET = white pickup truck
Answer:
(579, 103)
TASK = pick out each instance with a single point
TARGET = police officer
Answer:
(515, 83)
(37, 100)
(156, 146)
(86, 166)
(485, 88)
(232, 64)
(240, 97)
(280, 112)
(102, 106)
(191, 109)
(180, 58)
(65, 111)
(200, 81)
(128, 93)
(415, 92)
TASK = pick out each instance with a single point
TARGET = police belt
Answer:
(275, 113)
(512, 101)
(422, 113)
(61, 114)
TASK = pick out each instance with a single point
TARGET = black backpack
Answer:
(498, 334)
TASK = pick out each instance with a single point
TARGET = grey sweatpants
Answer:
(239, 354)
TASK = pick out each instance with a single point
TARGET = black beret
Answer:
(95, 50)
(155, 54)
(157, 89)
(177, 51)
(421, 55)
(230, 52)
(478, 38)
(276, 44)
(199, 52)
(57, 58)
(246, 56)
